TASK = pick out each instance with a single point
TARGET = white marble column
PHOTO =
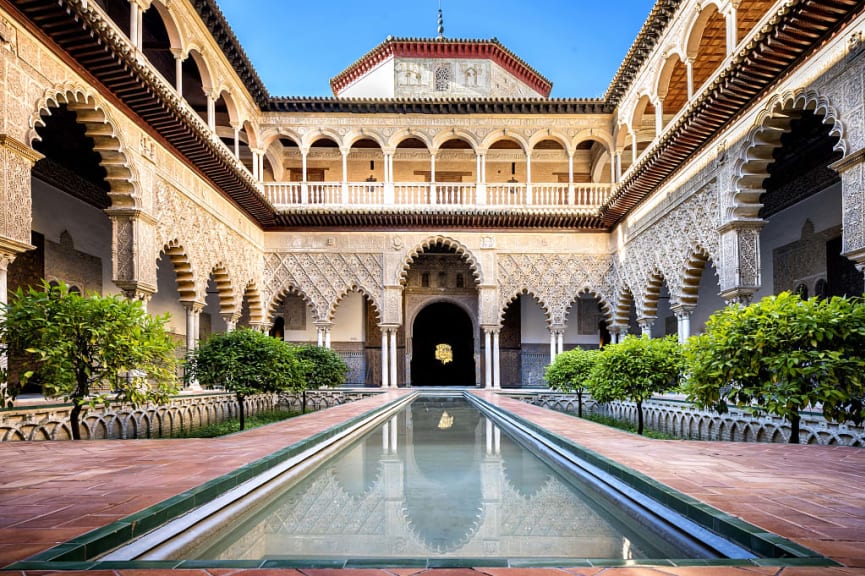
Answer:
(344, 153)
(646, 324)
(560, 342)
(497, 373)
(385, 362)
(211, 110)
(394, 380)
(236, 141)
(327, 337)
(193, 310)
(178, 71)
(135, 24)
(731, 29)
(552, 346)
(659, 116)
(432, 179)
(529, 195)
(488, 358)
(683, 322)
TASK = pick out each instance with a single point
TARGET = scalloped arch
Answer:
(622, 311)
(252, 295)
(98, 125)
(176, 253)
(606, 308)
(691, 276)
(772, 122)
(331, 311)
(460, 249)
(286, 290)
(506, 302)
(225, 289)
(649, 305)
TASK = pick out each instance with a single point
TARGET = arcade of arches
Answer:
(436, 241)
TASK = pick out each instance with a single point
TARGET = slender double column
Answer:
(492, 369)
(389, 376)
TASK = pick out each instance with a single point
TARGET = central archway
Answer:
(442, 347)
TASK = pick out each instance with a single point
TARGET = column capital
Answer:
(738, 295)
(682, 310)
(137, 291)
(193, 306)
(646, 322)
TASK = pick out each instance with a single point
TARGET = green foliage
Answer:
(246, 362)
(781, 354)
(570, 370)
(233, 425)
(636, 369)
(82, 347)
(325, 368)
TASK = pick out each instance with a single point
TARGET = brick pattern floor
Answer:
(813, 495)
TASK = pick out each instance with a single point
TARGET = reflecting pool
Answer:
(438, 479)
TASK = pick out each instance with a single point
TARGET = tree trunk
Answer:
(303, 402)
(640, 418)
(241, 413)
(580, 404)
(74, 417)
(794, 427)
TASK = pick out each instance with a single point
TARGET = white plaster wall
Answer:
(822, 209)
(378, 83)
(348, 323)
(533, 323)
(55, 212)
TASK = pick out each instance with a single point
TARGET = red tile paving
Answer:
(813, 495)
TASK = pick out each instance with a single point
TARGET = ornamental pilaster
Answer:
(16, 161)
(740, 259)
(852, 171)
(133, 256)
(488, 305)
(391, 310)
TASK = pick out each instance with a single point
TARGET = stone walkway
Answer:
(813, 495)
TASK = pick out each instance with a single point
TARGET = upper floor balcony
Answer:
(288, 195)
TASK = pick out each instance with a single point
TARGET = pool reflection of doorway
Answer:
(442, 347)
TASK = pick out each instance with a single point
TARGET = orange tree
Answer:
(246, 362)
(88, 350)
(636, 369)
(781, 355)
(570, 371)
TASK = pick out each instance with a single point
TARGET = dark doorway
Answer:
(442, 347)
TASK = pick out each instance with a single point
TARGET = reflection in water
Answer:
(415, 489)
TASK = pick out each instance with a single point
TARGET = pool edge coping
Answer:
(740, 531)
(73, 554)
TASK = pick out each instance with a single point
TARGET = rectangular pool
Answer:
(437, 480)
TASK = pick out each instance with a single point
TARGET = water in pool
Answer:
(437, 480)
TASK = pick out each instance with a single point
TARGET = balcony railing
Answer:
(369, 194)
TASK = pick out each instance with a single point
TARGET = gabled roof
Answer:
(490, 49)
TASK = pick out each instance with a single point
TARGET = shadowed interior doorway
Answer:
(442, 347)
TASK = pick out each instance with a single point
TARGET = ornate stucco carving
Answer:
(209, 243)
(663, 248)
(16, 160)
(556, 280)
(323, 278)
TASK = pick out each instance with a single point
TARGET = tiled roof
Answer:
(442, 48)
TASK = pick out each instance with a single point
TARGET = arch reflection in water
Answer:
(412, 488)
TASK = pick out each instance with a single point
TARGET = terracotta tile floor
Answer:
(813, 495)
